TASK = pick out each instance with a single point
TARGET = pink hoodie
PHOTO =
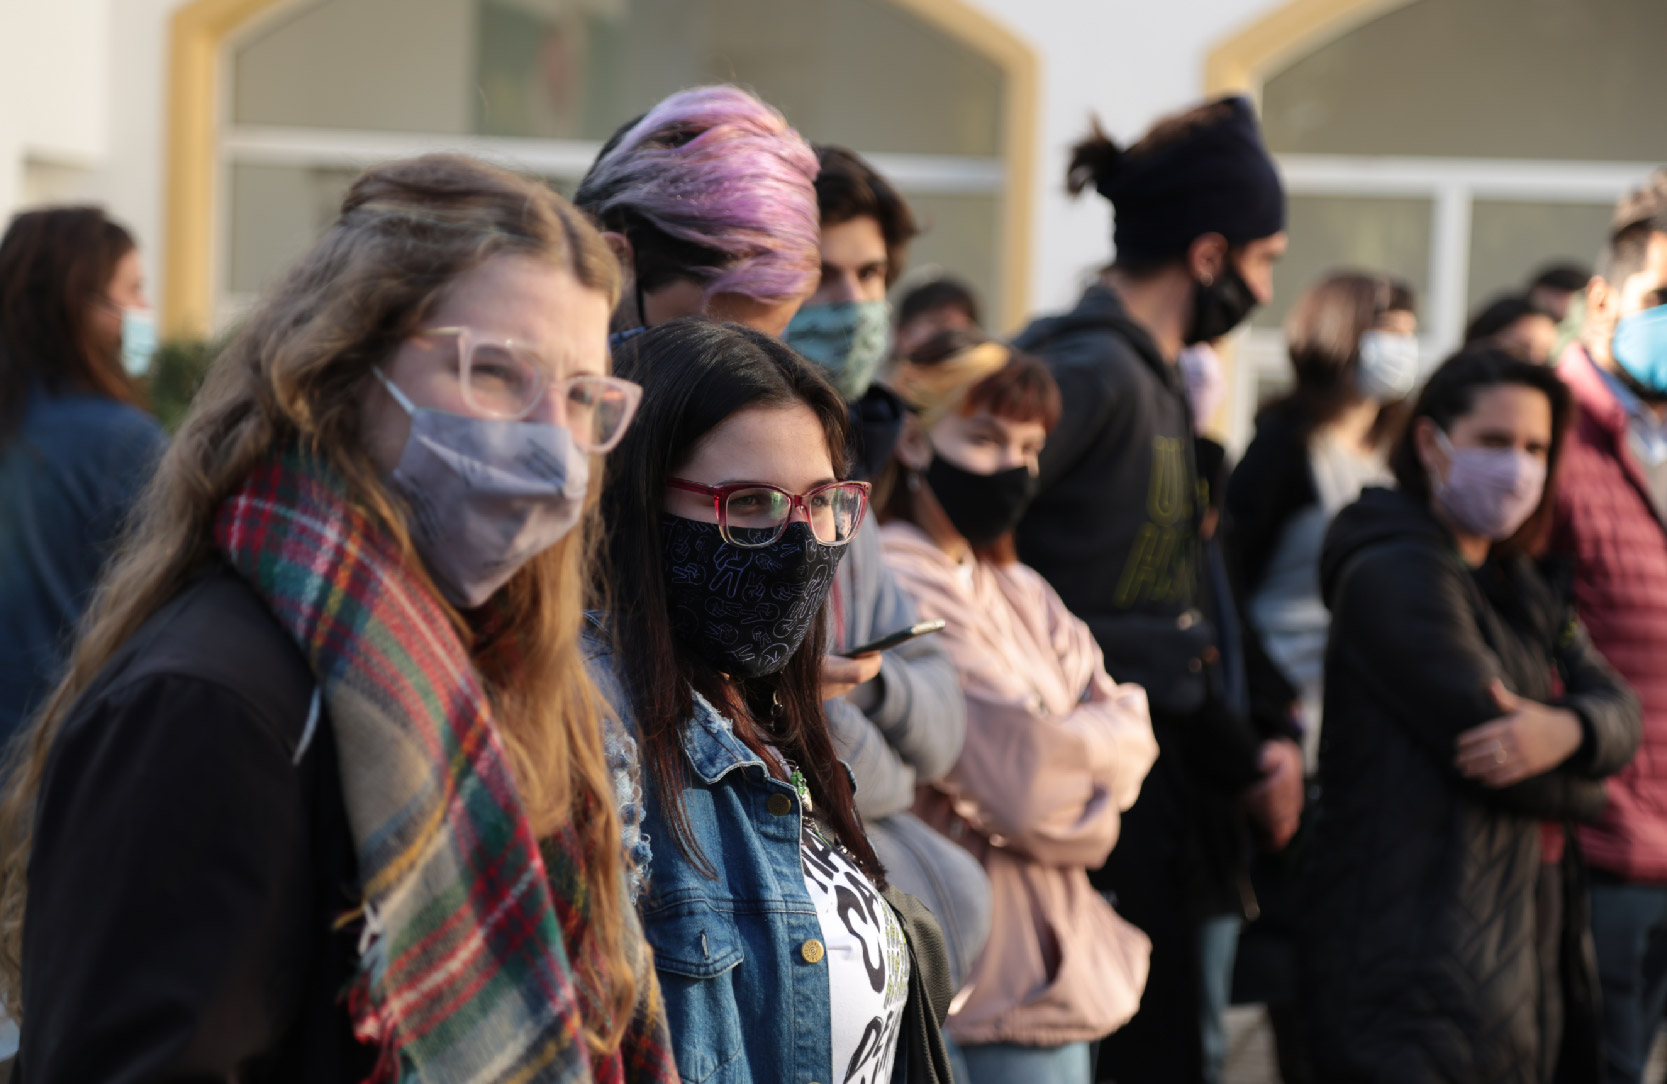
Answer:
(1055, 752)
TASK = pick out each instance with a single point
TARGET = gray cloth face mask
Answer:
(486, 496)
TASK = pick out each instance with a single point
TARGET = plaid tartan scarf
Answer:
(464, 970)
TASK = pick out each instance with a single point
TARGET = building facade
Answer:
(1456, 143)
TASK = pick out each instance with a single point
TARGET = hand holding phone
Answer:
(891, 640)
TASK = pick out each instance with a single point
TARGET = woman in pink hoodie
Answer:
(1055, 750)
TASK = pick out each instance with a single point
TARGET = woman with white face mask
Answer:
(1466, 707)
(1354, 357)
(1353, 354)
(323, 794)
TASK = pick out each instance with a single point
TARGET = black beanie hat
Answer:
(1214, 178)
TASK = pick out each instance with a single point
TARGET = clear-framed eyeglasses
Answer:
(503, 379)
(752, 515)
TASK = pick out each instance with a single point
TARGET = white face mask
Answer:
(486, 496)
(1388, 365)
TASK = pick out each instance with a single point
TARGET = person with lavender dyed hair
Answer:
(708, 201)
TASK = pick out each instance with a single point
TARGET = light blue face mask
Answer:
(1640, 345)
(848, 340)
(138, 340)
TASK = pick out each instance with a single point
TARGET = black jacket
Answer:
(1114, 527)
(1419, 960)
(191, 857)
(1271, 483)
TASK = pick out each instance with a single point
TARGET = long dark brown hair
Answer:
(1451, 393)
(695, 374)
(55, 268)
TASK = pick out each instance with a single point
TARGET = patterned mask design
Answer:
(745, 611)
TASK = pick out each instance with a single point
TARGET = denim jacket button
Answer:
(779, 804)
(812, 951)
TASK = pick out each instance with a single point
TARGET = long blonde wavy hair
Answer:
(295, 374)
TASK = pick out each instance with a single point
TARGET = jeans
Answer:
(1629, 931)
(1218, 943)
(957, 1060)
(1010, 1063)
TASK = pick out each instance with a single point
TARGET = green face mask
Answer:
(848, 340)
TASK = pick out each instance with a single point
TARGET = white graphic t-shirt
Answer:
(867, 959)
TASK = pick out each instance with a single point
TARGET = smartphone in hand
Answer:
(891, 640)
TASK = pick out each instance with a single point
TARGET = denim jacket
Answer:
(740, 957)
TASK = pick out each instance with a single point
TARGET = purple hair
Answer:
(712, 185)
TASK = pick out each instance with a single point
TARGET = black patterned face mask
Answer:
(746, 611)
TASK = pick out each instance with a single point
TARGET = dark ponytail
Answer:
(1095, 160)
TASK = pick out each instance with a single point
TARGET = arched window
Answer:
(313, 91)
(1459, 144)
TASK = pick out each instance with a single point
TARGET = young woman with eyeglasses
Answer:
(781, 954)
(323, 796)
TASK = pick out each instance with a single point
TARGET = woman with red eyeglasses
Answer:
(781, 952)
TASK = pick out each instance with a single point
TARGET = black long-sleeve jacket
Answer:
(191, 859)
(1418, 955)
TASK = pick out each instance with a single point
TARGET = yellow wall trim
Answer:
(199, 29)
(1244, 60)
(1018, 62)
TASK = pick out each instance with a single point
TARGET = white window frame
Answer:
(566, 160)
(1453, 185)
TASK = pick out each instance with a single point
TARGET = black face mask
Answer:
(745, 611)
(1219, 307)
(982, 507)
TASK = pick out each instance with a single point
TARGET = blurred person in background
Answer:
(902, 726)
(1354, 354)
(1555, 286)
(1610, 539)
(1515, 324)
(707, 201)
(1205, 380)
(1055, 749)
(783, 951)
(1314, 450)
(76, 447)
(323, 796)
(940, 304)
(1114, 528)
(1464, 704)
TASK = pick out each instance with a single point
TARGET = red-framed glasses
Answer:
(752, 515)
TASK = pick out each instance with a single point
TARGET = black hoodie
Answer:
(1419, 959)
(1114, 527)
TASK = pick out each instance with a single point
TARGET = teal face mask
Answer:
(138, 340)
(1640, 345)
(848, 340)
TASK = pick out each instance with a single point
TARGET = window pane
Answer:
(959, 235)
(865, 73)
(1481, 79)
(277, 212)
(1511, 240)
(1389, 236)
(373, 65)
